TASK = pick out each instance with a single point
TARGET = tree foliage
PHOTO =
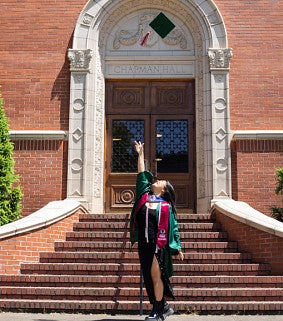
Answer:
(277, 212)
(10, 190)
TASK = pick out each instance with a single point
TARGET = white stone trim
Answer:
(38, 135)
(86, 141)
(244, 213)
(257, 134)
(51, 213)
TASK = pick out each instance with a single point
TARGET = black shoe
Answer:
(167, 311)
(156, 313)
(153, 317)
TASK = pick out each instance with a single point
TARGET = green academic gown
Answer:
(143, 187)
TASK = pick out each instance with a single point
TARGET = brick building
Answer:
(200, 82)
(72, 74)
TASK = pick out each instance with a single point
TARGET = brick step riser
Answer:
(75, 246)
(134, 269)
(128, 281)
(118, 239)
(135, 283)
(107, 225)
(133, 294)
(188, 228)
(191, 273)
(90, 307)
(126, 217)
(136, 260)
(129, 256)
(126, 235)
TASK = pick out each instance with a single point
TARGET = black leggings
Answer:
(146, 253)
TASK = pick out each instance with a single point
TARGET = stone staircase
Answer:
(97, 271)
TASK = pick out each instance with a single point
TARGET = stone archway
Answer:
(89, 66)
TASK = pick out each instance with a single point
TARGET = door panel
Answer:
(127, 97)
(175, 98)
(168, 137)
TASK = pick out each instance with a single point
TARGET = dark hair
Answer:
(170, 196)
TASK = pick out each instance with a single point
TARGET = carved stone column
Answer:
(219, 69)
(80, 67)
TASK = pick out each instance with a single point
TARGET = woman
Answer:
(154, 226)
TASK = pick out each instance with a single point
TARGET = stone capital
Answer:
(219, 59)
(80, 59)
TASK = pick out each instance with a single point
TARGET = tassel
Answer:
(144, 39)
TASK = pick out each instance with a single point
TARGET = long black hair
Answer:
(170, 196)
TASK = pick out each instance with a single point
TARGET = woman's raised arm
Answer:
(140, 151)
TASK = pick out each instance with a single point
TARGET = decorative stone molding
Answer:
(129, 38)
(99, 23)
(79, 59)
(219, 59)
(257, 135)
(38, 135)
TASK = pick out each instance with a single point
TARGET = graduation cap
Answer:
(162, 25)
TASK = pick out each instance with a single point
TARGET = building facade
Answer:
(198, 81)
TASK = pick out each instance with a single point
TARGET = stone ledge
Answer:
(244, 213)
(49, 214)
(38, 135)
(257, 134)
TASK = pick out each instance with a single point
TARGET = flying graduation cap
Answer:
(161, 25)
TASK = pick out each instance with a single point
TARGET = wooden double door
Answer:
(160, 114)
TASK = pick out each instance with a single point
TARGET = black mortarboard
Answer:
(162, 25)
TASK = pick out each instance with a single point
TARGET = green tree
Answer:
(277, 212)
(10, 190)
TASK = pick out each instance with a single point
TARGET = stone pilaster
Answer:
(80, 68)
(219, 62)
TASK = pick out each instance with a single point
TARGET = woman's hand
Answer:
(139, 147)
(180, 256)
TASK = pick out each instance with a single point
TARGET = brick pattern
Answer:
(94, 275)
(253, 172)
(41, 165)
(27, 247)
(255, 70)
(35, 77)
(264, 247)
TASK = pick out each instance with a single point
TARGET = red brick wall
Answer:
(42, 168)
(255, 35)
(264, 247)
(35, 76)
(26, 247)
(253, 172)
(36, 34)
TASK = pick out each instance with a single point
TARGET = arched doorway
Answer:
(101, 32)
